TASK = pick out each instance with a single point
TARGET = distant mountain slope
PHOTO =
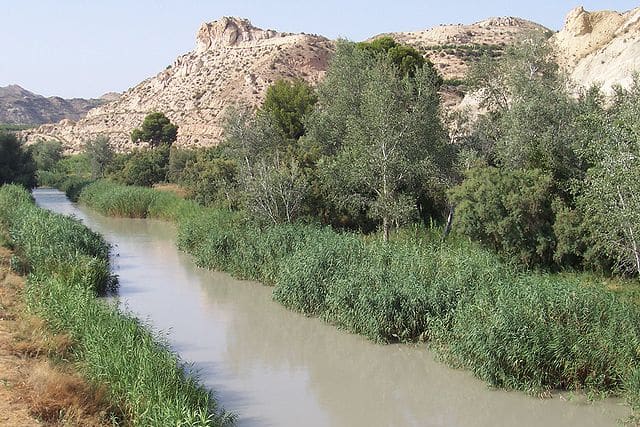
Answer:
(452, 48)
(21, 107)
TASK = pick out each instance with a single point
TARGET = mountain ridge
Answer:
(22, 107)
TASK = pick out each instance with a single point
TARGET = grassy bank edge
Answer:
(40, 384)
(67, 266)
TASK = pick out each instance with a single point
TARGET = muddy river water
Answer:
(274, 367)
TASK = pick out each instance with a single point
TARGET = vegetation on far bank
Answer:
(514, 329)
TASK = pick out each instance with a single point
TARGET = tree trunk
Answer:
(385, 228)
(447, 228)
(634, 243)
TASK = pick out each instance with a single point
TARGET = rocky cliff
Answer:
(600, 47)
(21, 107)
(233, 63)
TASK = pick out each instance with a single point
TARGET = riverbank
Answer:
(37, 385)
(67, 268)
(526, 331)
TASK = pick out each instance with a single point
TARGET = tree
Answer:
(156, 129)
(46, 154)
(610, 196)
(145, 167)
(16, 164)
(100, 155)
(406, 59)
(273, 183)
(276, 190)
(287, 103)
(531, 119)
(211, 178)
(382, 134)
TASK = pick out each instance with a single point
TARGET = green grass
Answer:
(68, 267)
(513, 329)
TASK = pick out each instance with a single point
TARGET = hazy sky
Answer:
(84, 48)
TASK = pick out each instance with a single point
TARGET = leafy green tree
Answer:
(407, 59)
(382, 135)
(145, 167)
(16, 163)
(211, 179)
(509, 212)
(531, 122)
(287, 103)
(178, 160)
(100, 155)
(610, 196)
(46, 154)
(156, 129)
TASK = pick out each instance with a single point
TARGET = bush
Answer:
(509, 212)
(16, 164)
(145, 167)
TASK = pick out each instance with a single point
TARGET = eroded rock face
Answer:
(600, 47)
(230, 32)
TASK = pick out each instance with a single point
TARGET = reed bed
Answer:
(68, 268)
(513, 329)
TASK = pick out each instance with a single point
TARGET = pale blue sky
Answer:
(84, 48)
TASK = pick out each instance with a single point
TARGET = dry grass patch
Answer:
(172, 188)
(33, 339)
(58, 396)
(33, 391)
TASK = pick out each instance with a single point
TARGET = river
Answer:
(274, 367)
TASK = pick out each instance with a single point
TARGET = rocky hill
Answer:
(233, 63)
(18, 106)
(452, 48)
(600, 47)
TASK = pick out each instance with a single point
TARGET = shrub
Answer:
(16, 164)
(509, 212)
(145, 167)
